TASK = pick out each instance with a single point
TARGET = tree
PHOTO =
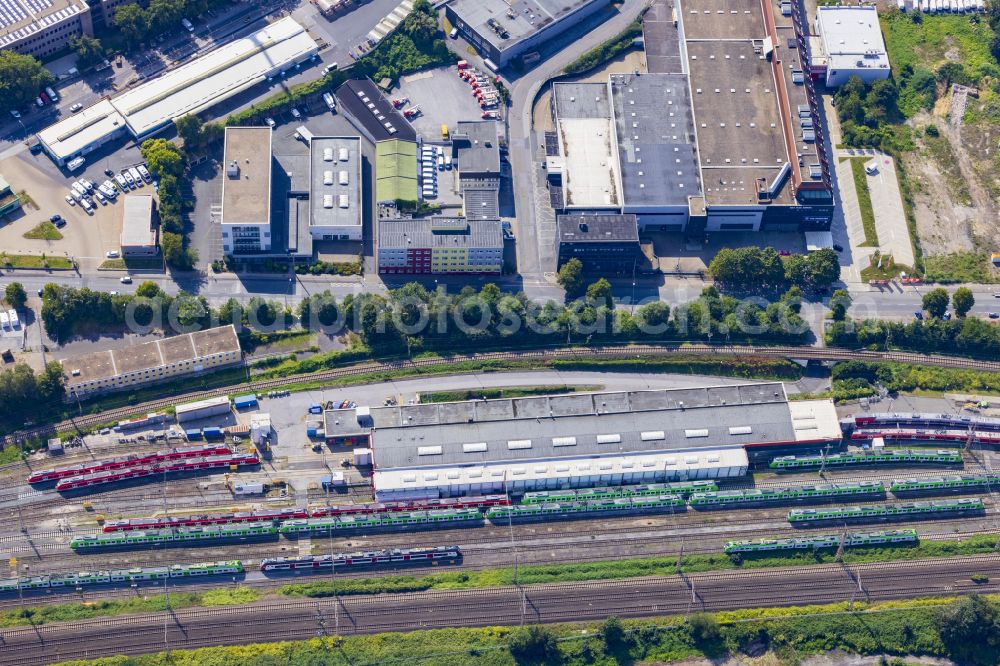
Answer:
(164, 15)
(163, 158)
(21, 77)
(840, 301)
(824, 267)
(570, 277)
(15, 295)
(174, 252)
(704, 630)
(970, 630)
(133, 22)
(149, 289)
(189, 128)
(935, 302)
(653, 314)
(533, 645)
(962, 300)
(600, 293)
(89, 51)
(614, 635)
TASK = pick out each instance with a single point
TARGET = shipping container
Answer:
(245, 401)
(315, 408)
(212, 433)
(193, 434)
(201, 409)
(335, 480)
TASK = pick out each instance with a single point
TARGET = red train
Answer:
(115, 475)
(278, 515)
(133, 460)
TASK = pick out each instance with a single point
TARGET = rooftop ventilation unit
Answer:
(233, 169)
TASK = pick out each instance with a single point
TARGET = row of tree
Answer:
(140, 25)
(935, 301)
(167, 163)
(22, 77)
(754, 267)
(25, 396)
(966, 336)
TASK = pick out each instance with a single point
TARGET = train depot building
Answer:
(573, 441)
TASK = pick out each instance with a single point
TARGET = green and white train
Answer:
(943, 484)
(182, 536)
(500, 515)
(386, 520)
(823, 492)
(134, 575)
(851, 540)
(886, 457)
(867, 513)
(682, 488)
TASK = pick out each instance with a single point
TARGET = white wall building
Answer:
(246, 191)
(851, 44)
(335, 188)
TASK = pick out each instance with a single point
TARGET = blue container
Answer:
(245, 401)
(212, 433)
(315, 408)
(193, 434)
(311, 431)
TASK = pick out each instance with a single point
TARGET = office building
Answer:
(503, 30)
(42, 27)
(246, 191)
(335, 188)
(439, 245)
(606, 244)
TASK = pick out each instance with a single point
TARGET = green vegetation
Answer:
(883, 267)
(754, 267)
(35, 261)
(964, 629)
(15, 295)
(11, 454)
(416, 45)
(757, 367)
(330, 268)
(858, 379)
(25, 395)
(198, 135)
(162, 17)
(166, 162)
(507, 392)
(864, 201)
(958, 267)
(34, 616)
(570, 277)
(21, 77)
(606, 51)
(89, 51)
(44, 231)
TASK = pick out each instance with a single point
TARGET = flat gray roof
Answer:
(481, 203)
(580, 100)
(520, 18)
(325, 180)
(657, 155)
(580, 425)
(599, 228)
(137, 221)
(482, 156)
(421, 232)
(246, 176)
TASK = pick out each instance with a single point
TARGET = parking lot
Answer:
(443, 98)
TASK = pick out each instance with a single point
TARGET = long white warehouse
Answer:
(580, 440)
(190, 88)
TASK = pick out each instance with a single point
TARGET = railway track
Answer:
(86, 422)
(645, 597)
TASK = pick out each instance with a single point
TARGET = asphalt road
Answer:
(644, 597)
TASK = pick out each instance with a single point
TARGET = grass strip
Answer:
(786, 634)
(864, 201)
(44, 231)
(604, 52)
(34, 261)
(33, 616)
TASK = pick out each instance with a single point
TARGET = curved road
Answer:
(563, 602)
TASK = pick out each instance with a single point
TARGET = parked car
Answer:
(128, 179)
(55, 218)
(838, 248)
(101, 198)
(994, 315)
(70, 200)
(35, 148)
(111, 254)
(136, 176)
(110, 173)
(125, 279)
(270, 122)
(122, 183)
(87, 206)
(918, 315)
(15, 113)
(76, 107)
(89, 184)
(144, 172)
(295, 113)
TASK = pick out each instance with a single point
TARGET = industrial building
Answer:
(723, 135)
(604, 243)
(364, 105)
(42, 27)
(502, 30)
(580, 440)
(335, 188)
(246, 191)
(848, 42)
(203, 409)
(191, 88)
(151, 362)
(139, 231)
(477, 147)
(439, 245)
(396, 171)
